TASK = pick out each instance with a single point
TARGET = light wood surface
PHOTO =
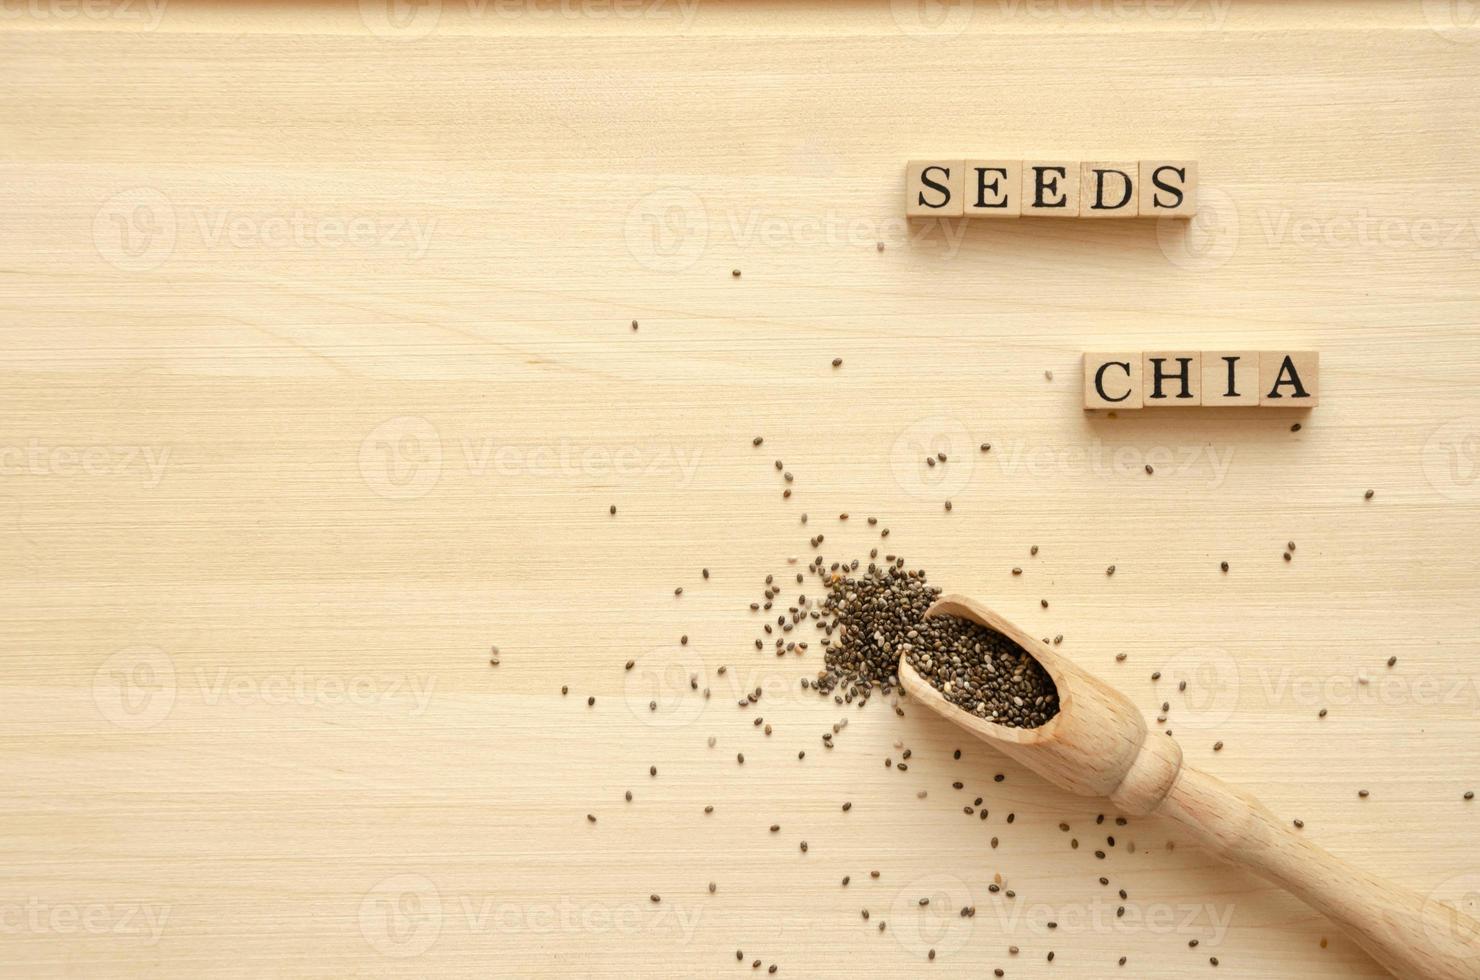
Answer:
(1099, 745)
(318, 379)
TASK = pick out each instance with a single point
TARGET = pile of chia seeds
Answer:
(873, 619)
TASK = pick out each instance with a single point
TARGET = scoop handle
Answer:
(1407, 934)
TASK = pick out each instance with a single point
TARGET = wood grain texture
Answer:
(1098, 745)
(318, 378)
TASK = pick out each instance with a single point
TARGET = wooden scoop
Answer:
(1098, 745)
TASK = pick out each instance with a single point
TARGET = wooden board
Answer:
(318, 378)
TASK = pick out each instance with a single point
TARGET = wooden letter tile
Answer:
(1172, 378)
(1109, 190)
(1112, 380)
(1230, 377)
(1168, 188)
(994, 188)
(932, 188)
(1289, 379)
(1050, 188)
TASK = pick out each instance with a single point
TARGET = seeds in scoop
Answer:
(880, 617)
